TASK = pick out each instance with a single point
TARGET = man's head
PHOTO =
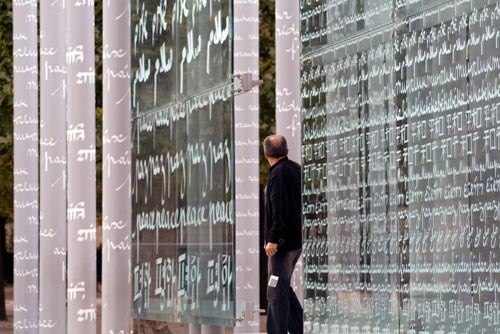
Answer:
(275, 148)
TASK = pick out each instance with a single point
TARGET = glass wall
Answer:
(401, 139)
(182, 161)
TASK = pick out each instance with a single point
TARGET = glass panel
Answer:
(400, 157)
(481, 189)
(183, 162)
(324, 22)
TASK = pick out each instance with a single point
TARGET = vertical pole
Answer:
(288, 74)
(82, 311)
(288, 90)
(116, 286)
(52, 167)
(246, 120)
(25, 166)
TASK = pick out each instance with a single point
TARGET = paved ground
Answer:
(141, 327)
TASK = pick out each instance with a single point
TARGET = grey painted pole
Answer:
(25, 166)
(288, 74)
(288, 90)
(82, 311)
(116, 287)
(52, 168)
(246, 120)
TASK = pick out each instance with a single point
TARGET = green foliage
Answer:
(98, 104)
(267, 73)
(7, 106)
(267, 96)
(98, 144)
(6, 110)
(98, 54)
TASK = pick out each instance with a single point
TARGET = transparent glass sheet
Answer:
(401, 166)
(182, 162)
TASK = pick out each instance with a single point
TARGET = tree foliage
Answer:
(267, 93)
(7, 105)
(99, 110)
(6, 110)
(267, 73)
(6, 127)
(267, 98)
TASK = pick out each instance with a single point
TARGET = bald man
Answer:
(283, 234)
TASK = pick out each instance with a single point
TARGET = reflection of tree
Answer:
(174, 46)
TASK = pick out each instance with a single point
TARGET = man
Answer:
(283, 233)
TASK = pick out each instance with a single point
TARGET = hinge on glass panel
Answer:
(244, 82)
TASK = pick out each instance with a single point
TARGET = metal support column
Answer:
(26, 218)
(82, 308)
(246, 120)
(288, 91)
(116, 206)
(52, 167)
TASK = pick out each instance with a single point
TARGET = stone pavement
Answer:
(140, 327)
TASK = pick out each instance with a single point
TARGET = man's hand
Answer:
(271, 249)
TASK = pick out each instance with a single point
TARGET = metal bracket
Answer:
(247, 311)
(244, 82)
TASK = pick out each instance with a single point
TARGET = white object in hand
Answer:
(273, 281)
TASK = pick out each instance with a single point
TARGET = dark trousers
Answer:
(284, 312)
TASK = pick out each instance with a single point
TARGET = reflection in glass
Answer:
(183, 162)
(400, 155)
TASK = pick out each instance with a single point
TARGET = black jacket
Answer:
(283, 205)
